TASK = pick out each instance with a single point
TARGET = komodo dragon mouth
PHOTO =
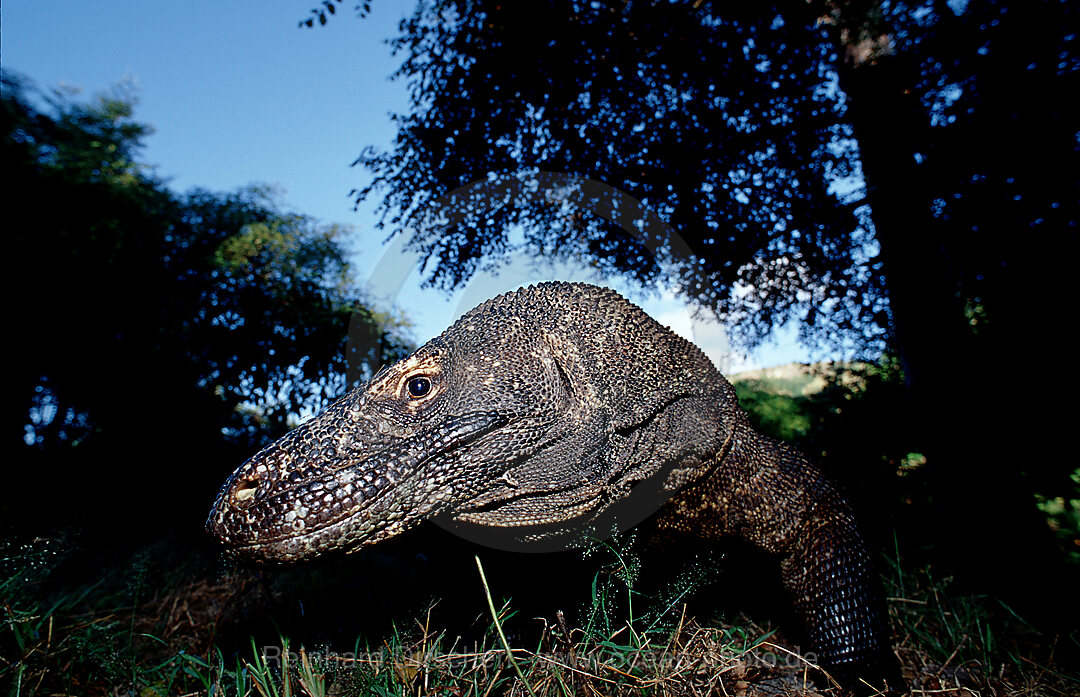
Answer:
(561, 411)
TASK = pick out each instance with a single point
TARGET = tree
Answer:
(743, 166)
(161, 338)
(878, 171)
(970, 154)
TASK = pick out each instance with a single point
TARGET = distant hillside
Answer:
(776, 398)
(796, 379)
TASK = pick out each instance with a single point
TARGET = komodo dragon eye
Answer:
(418, 387)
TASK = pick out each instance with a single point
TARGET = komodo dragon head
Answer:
(547, 415)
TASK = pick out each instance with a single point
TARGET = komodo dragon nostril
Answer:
(246, 491)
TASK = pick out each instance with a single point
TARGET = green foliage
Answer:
(243, 293)
(854, 419)
(779, 415)
(851, 417)
(285, 251)
(97, 140)
(149, 314)
(1063, 517)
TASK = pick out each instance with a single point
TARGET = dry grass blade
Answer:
(498, 628)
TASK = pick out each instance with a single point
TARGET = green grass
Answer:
(84, 642)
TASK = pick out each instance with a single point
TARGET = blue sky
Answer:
(237, 94)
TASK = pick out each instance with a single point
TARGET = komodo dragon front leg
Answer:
(770, 495)
(546, 417)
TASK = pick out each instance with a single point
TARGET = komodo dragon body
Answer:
(551, 414)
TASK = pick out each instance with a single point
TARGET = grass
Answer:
(116, 637)
(167, 622)
(963, 643)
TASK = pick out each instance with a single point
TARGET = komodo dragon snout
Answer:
(552, 415)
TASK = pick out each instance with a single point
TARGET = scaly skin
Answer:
(546, 416)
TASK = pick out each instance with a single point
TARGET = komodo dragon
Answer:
(547, 415)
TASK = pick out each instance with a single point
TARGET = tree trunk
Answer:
(981, 513)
